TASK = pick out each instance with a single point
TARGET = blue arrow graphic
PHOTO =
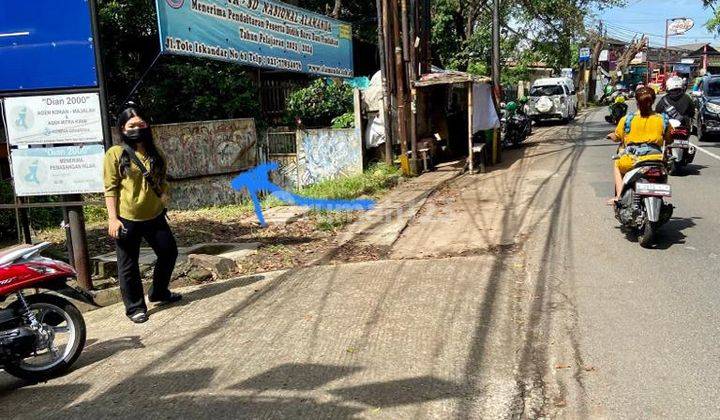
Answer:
(257, 180)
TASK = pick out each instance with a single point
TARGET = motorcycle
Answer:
(680, 152)
(617, 111)
(514, 125)
(41, 334)
(641, 209)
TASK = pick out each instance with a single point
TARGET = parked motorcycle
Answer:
(641, 209)
(41, 334)
(514, 125)
(617, 110)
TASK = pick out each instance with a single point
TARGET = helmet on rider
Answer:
(523, 100)
(675, 87)
(511, 106)
(620, 100)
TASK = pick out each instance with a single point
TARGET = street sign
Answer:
(53, 119)
(46, 44)
(260, 33)
(584, 55)
(679, 26)
(58, 170)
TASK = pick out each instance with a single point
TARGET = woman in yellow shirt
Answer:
(136, 204)
(646, 128)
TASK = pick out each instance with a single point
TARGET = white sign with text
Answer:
(53, 119)
(58, 170)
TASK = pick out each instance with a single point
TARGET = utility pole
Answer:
(496, 50)
(597, 49)
(667, 52)
(382, 39)
(400, 89)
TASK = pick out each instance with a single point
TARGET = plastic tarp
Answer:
(484, 115)
(373, 95)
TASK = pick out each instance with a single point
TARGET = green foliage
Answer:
(346, 120)
(713, 24)
(318, 104)
(531, 30)
(95, 214)
(40, 218)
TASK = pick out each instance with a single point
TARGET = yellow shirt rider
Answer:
(645, 127)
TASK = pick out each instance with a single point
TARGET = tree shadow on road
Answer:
(286, 391)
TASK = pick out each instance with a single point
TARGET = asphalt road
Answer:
(638, 328)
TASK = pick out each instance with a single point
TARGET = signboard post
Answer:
(53, 103)
(675, 27)
(584, 55)
(261, 33)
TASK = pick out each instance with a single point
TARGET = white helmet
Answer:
(674, 83)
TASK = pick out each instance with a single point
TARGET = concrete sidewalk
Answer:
(393, 339)
(382, 226)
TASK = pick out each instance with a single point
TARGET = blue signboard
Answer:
(46, 44)
(584, 54)
(261, 33)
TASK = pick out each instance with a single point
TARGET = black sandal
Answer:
(174, 297)
(139, 317)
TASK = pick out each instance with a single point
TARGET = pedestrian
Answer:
(136, 196)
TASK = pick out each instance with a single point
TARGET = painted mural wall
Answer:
(204, 192)
(207, 148)
(328, 153)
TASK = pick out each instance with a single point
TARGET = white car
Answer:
(552, 98)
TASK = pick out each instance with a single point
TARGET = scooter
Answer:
(514, 125)
(617, 111)
(41, 334)
(641, 209)
(680, 152)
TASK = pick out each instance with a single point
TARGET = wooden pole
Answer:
(382, 35)
(401, 91)
(471, 157)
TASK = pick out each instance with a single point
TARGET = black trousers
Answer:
(158, 235)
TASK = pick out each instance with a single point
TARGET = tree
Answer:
(636, 46)
(532, 30)
(713, 24)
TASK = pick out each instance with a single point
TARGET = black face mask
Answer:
(137, 135)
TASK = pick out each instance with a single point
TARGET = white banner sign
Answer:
(52, 119)
(680, 25)
(58, 170)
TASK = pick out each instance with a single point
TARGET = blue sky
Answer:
(648, 16)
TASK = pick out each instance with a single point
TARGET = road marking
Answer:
(7, 35)
(707, 152)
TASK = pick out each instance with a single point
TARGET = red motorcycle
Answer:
(41, 333)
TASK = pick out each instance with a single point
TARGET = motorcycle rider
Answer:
(676, 103)
(617, 110)
(644, 127)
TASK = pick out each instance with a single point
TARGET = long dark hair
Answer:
(157, 163)
(645, 100)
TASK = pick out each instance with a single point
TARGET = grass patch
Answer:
(373, 182)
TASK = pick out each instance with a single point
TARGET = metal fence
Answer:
(280, 142)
